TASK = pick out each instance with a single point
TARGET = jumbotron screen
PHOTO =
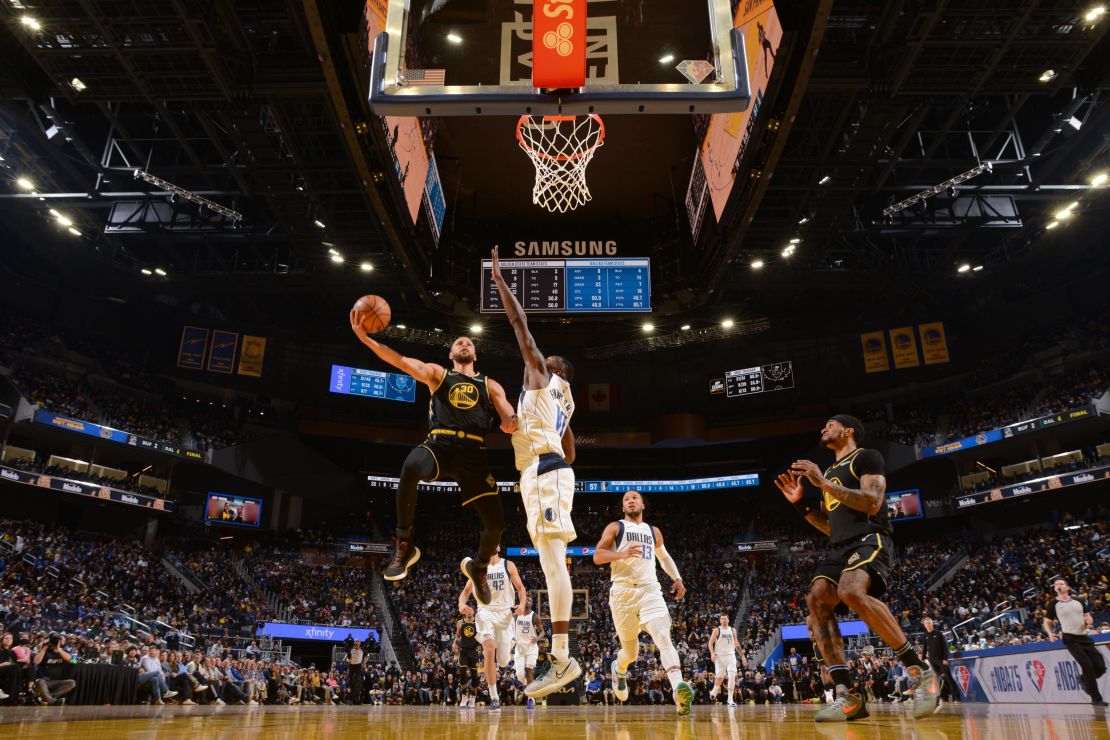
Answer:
(903, 505)
(236, 510)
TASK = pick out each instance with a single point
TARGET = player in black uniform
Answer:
(464, 406)
(466, 645)
(856, 569)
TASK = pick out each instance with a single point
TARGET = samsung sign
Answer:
(322, 632)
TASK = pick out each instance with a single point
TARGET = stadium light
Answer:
(34, 25)
(1052, 224)
(319, 224)
(648, 328)
(803, 219)
(1099, 180)
(963, 268)
(1095, 13)
(337, 258)
(757, 264)
(666, 59)
(977, 268)
(824, 179)
(795, 240)
(366, 267)
(1048, 75)
(788, 251)
(454, 38)
(73, 231)
(147, 271)
(1066, 211)
(333, 251)
(78, 85)
(727, 323)
(25, 184)
(401, 326)
(63, 220)
(685, 327)
(159, 272)
(475, 328)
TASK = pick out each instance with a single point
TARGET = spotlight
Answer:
(1092, 15)
(454, 38)
(159, 272)
(787, 252)
(824, 179)
(145, 271)
(757, 264)
(1048, 75)
(34, 25)
(648, 328)
(1065, 212)
(727, 323)
(1099, 180)
(333, 251)
(666, 59)
(401, 326)
(74, 231)
(64, 221)
(337, 258)
(475, 328)
(803, 219)
(25, 184)
(963, 268)
(1052, 224)
(685, 327)
(977, 268)
(366, 267)
(78, 85)
(795, 240)
(319, 224)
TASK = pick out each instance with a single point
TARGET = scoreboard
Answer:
(763, 379)
(357, 381)
(572, 285)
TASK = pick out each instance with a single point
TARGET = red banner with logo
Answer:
(559, 43)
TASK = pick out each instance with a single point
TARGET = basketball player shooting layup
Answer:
(631, 548)
(857, 566)
(462, 409)
(544, 448)
(722, 646)
(495, 620)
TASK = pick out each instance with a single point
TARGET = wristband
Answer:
(802, 507)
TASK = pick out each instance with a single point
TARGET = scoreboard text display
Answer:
(572, 285)
(357, 381)
(763, 379)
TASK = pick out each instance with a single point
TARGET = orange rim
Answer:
(562, 157)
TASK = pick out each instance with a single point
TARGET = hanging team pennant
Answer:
(874, 352)
(252, 355)
(934, 344)
(194, 343)
(904, 347)
(222, 357)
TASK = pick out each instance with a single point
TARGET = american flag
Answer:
(424, 76)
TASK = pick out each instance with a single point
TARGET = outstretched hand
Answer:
(496, 268)
(810, 471)
(791, 486)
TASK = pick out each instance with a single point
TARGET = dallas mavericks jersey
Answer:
(543, 416)
(500, 587)
(726, 642)
(635, 571)
(524, 630)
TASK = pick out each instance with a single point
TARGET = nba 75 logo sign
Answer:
(963, 677)
(1036, 671)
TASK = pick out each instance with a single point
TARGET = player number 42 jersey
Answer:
(543, 416)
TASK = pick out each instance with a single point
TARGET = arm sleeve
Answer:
(1086, 608)
(1050, 610)
(667, 562)
(869, 462)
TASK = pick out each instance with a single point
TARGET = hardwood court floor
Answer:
(976, 721)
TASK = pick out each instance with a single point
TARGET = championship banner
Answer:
(81, 488)
(904, 347)
(221, 359)
(252, 355)
(934, 344)
(874, 352)
(1040, 485)
(194, 342)
(558, 44)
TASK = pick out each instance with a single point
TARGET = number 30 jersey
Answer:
(635, 571)
(543, 416)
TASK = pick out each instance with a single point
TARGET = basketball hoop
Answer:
(561, 148)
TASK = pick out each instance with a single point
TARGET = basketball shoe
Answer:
(683, 697)
(847, 706)
(555, 675)
(477, 576)
(620, 682)
(926, 690)
(405, 554)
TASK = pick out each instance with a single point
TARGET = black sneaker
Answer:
(405, 554)
(1099, 703)
(477, 576)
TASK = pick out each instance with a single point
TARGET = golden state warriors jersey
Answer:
(543, 415)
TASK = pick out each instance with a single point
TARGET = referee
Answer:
(1075, 617)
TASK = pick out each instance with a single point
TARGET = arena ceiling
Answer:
(260, 107)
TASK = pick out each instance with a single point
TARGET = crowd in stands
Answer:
(130, 483)
(326, 594)
(1090, 458)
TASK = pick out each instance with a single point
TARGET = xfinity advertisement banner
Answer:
(321, 632)
(1041, 673)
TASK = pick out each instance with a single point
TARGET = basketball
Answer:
(374, 311)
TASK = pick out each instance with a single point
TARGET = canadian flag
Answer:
(603, 397)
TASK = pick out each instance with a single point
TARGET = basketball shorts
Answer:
(526, 655)
(548, 496)
(469, 659)
(464, 462)
(496, 626)
(634, 606)
(723, 665)
(873, 552)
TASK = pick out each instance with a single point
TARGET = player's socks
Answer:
(493, 696)
(560, 647)
(674, 675)
(840, 675)
(908, 656)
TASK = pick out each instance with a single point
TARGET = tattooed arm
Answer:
(867, 498)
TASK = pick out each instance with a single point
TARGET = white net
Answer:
(561, 148)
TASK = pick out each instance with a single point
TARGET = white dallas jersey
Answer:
(543, 417)
(524, 630)
(500, 587)
(726, 642)
(635, 571)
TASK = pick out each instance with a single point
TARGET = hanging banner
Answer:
(252, 355)
(874, 352)
(904, 347)
(194, 343)
(934, 344)
(221, 359)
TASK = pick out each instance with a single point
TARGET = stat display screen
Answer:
(777, 376)
(572, 285)
(357, 381)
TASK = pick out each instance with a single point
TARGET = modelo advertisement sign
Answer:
(1043, 673)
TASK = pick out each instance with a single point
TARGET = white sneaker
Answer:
(252, 703)
(158, 702)
(220, 701)
(169, 694)
(201, 687)
(713, 694)
(3, 696)
(187, 702)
